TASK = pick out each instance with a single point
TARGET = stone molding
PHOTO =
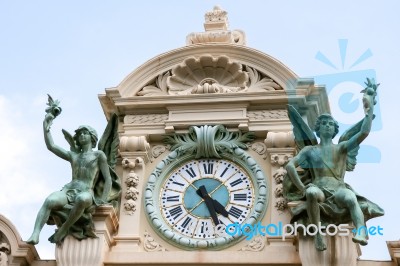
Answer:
(267, 114)
(20, 253)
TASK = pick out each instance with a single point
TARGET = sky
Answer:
(73, 50)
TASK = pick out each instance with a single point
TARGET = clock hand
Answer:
(202, 192)
(219, 208)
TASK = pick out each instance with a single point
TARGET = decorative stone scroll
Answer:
(255, 245)
(203, 75)
(150, 244)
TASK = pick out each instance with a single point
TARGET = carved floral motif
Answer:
(131, 182)
(150, 244)
(280, 159)
(281, 204)
(256, 244)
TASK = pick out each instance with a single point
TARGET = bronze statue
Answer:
(93, 180)
(325, 197)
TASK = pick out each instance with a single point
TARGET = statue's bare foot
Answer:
(34, 239)
(360, 239)
(58, 236)
(319, 242)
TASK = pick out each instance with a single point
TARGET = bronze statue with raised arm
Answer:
(324, 196)
(93, 182)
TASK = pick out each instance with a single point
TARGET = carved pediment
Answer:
(208, 74)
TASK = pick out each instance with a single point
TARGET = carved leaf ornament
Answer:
(208, 74)
(208, 141)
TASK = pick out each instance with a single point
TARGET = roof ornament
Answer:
(216, 30)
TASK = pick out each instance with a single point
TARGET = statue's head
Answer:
(329, 118)
(92, 132)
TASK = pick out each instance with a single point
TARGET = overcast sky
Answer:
(73, 50)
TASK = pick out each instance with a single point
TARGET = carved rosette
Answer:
(207, 74)
(281, 149)
(131, 181)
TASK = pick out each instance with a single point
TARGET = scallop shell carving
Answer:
(207, 74)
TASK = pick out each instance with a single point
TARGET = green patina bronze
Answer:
(208, 141)
(94, 181)
(324, 196)
(202, 142)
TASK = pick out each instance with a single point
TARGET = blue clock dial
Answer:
(201, 194)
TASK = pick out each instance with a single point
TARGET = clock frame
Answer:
(165, 206)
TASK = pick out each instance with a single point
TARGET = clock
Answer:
(199, 195)
(205, 184)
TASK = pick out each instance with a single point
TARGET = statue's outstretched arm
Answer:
(48, 139)
(366, 123)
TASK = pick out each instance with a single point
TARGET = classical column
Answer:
(280, 149)
(135, 151)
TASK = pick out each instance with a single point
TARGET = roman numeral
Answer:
(191, 172)
(204, 228)
(236, 182)
(222, 174)
(241, 197)
(176, 212)
(177, 183)
(186, 222)
(173, 198)
(235, 212)
(208, 169)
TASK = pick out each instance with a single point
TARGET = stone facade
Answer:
(214, 80)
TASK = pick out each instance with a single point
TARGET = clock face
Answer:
(199, 198)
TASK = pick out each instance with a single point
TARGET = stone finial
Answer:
(217, 19)
(216, 30)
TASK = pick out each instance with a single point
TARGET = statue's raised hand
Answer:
(369, 96)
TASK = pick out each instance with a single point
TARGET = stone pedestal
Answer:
(341, 250)
(90, 251)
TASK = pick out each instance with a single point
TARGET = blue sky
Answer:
(74, 50)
